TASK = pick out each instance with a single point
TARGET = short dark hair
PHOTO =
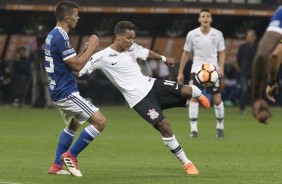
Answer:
(63, 8)
(205, 10)
(122, 26)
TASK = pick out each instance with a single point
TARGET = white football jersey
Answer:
(204, 47)
(123, 71)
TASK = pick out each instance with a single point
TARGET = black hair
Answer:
(122, 26)
(64, 8)
(205, 10)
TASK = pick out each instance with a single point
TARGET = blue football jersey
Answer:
(58, 48)
(276, 19)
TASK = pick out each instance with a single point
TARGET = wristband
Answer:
(163, 59)
(271, 82)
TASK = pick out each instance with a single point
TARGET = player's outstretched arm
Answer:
(275, 60)
(267, 44)
(155, 56)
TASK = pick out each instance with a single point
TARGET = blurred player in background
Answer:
(245, 57)
(60, 63)
(268, 57)
(148, 96)
(206, 45)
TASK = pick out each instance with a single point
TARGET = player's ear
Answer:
(67, 19)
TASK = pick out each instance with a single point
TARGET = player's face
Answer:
(205, 19)
(73, 18)
(126, 39)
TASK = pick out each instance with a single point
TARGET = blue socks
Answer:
(65, 141)
(86, 136)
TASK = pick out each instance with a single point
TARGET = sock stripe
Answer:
(176, 150)
(193, 119)
(92, 131)
(69, 132)
(219, 119)
(82, 105)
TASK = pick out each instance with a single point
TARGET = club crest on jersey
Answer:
(68, 44)
(153, 114)
(133, 57)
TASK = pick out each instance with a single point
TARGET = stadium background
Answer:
(162, 25)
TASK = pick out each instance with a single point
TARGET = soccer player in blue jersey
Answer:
(61, 61)
(267, 58)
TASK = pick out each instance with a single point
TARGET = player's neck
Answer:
(205, 29)
(63, 26)
(116, 47)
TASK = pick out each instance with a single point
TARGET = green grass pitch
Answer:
(131, 151)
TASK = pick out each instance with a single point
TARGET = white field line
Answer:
(6, 182)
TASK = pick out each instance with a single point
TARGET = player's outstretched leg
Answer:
(174, 147)
(202, 99)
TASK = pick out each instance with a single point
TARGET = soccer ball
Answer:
(206, 75)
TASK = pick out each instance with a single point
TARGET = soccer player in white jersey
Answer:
(61, 61)
(147, 96)
(267, 58)
(206, 45)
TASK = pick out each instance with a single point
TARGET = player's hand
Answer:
(170, 62)
(93, 42)
(86, 46)
(180, 78)
(220, 73)
(261, 110)
(271, 91)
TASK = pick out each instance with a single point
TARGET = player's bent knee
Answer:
(98, 120)
(164, 128)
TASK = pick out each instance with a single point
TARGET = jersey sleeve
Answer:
(64, 46)
(141, 52)
(94, 63)
(188, 43)
(220, 46)
(276, 21)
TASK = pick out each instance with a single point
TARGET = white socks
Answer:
(172, 144)
(196, 92)
(193, 115)
(219, 114)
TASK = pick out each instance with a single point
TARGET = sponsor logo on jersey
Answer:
(95, 61)
(113, 55)
(114, 63)
(68, 44)
(153, 114)
(48, 40)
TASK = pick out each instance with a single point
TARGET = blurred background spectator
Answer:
(21, 78)
(245, 58)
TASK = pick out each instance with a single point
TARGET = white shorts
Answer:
(75, 106)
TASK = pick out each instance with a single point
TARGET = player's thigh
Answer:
(170, 94)
(149, 109)
(75, 106)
